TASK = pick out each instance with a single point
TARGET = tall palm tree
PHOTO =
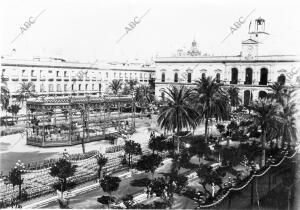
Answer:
(4, 94)
(277, 91)
(233, 93)
(115, 86)
(143, 95)
(25, 91)
(266, 116)
(289, 128)
(210, 101)
(178, 113)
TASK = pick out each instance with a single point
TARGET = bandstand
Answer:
(70, 121)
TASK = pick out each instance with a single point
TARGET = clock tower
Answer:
(249, 49)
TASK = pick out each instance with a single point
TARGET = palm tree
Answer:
(132, 83)
(109, 184)
(4, 94)
(115, 86)
(266, 116)
(289, 128)
(25, 91)
(143, 95)
(233, 93)
(210, 100)
(277, 93)
(178, 113)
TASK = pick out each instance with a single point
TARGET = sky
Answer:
(89, 30)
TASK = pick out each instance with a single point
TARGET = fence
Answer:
(254, 187)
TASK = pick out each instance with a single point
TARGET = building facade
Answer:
(250, 72)
(57, 77)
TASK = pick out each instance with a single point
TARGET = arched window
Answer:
(262, 94)
(246, 97)
(234, 76)
(189, 77)
(203, 75)
(218, 77)
(248, 76)
(176, 77)
(263, 76)
(162, 95)
(163, 76)
(281, 79)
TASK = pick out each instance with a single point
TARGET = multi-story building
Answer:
(249, 71)
(58, 77)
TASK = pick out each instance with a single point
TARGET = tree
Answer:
(14, 109)
(15, 178)
(63, 169)
(132, 148)
(143, 95)
(164, 189)
(210, 177)
(265, 116)
(288, 129)
(157, 143)
(199, 147)
(149, 163)
(110, 184)
(101, 161)
(132, 84)
(25, 91)
(221, 128)
(234, 98)
(277, 92)
(115, 86)
(210, 100)
(4, 94)
(178, 114)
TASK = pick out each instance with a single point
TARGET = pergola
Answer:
(69, 121)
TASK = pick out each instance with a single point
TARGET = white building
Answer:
(58, 77)
(249, 71)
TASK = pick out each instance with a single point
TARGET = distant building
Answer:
(58, 77)
(249, 71)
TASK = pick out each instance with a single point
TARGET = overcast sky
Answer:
(86, 30)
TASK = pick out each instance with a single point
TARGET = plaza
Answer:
(155, 124)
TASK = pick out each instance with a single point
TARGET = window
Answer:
(263, 76)
(93, 86)
(99, 87)
(106, 74)
(120, 75)
(3, 71)
(33, 88)
(176, 77)
(234, 76)
(65, 74)
(65, 87)
(218, 77)
(50, 87)
(32, 73)
(86, 86)
(57, 73)
(248, 76)
(163, 96)
(281, 79)
(42, 88)
(23, 73)
(79, 87)
(163, 77)
(189, 77)
(58, 87)
(115, 75)
(130, 75)
(125, 75)
(203, 75)
(72, 87)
